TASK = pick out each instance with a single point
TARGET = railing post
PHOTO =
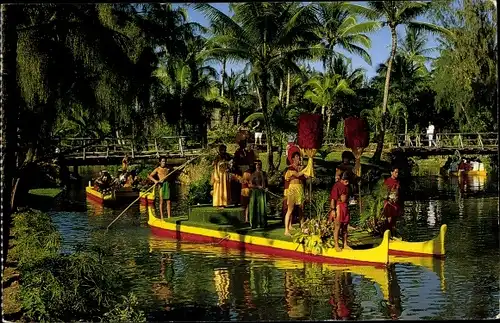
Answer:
(460, 139)
(480, 140)
(156, 147)
(132, 143)
(83, 144)
(180, 146)
(107, 150)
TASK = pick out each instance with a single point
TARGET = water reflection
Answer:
(190, 281)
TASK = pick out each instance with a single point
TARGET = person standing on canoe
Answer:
(392, 206)
(294, 193)
(339, 188)
(221, 179)
(258, 201)
(162, 172)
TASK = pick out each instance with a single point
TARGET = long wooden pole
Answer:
(149, 189)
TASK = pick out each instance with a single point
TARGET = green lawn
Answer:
(42, 198)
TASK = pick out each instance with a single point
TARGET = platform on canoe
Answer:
(231, 219)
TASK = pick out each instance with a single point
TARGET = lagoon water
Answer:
(207, 282)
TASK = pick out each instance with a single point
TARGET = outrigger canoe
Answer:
(259, 241)
(117, 196)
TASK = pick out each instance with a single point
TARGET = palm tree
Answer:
(325, 91)
(267, 36)
(338, 27)
(393, 14)
(413, 48)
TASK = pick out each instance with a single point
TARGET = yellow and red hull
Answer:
(431, 248)
(377, 256)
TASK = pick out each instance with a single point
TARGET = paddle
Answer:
(149, 189)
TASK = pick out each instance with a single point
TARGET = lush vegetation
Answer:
(83, 285)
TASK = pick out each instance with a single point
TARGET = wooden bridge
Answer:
(110, 151)
(447, 144)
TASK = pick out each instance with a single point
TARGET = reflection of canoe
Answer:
(118, 196)
(377, 275)
(431, 264)
(469, 173)
(249, 240)
(433, 247)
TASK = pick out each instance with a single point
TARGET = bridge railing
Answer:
(119, 147)
(449, 140)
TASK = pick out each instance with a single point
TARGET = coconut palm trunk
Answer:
(380, 144)
(8, 119)
(267, 123)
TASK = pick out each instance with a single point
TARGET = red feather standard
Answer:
(310, 129)
(356, 133)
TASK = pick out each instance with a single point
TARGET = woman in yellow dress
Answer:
(221, 179)
(294, 186)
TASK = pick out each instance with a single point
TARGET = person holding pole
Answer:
(162, 172)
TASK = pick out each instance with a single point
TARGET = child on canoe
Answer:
(162, 172)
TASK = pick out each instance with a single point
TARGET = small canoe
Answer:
(118, 196)
(147, 198)
(431, 248)
(469, 173)
(256, 241)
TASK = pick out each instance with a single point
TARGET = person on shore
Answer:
(125, 163)
(221, 179)
(294, 193)
(392, 207)
(258, 201)
(162, 172)
(430, 134)
(336, 214)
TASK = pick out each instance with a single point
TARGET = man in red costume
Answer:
(392, 205)
(339, 188)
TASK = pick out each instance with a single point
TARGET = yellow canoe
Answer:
(377, 256)
(469, 173)
(147, 198)
(431, 248)
(97, 196)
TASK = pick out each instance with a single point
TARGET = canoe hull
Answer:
(119, 196)
(431, 248)
(147, 198)
(469, 173)
(378, 256)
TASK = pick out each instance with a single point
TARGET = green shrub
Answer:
(222, 133)
(199, 191)
(57, 287)
(371, 217)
